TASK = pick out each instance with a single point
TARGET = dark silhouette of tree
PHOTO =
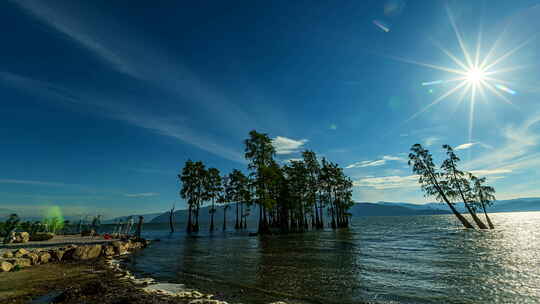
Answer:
(484, 195)
(260, 154)
(313, 169)
(458, 183)
(225, 197)
(213, 188)
(431, 181)
(193, 189)
(171, 218)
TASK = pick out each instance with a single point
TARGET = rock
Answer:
(7, 254)
(33, 257)
(87, 252)
(21, 237)
(21, 262)
(19, 253)
(57, 254)
(41, 236)
(108, 251)
(44, 257)
(5, 266)
(206, 301)
(120, 247)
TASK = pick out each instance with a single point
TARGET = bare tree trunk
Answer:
(487, 218)
(212, 216)
(236, 224)
(171, 216)
(224, 218)
(189, 224)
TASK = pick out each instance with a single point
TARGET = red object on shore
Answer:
(107, 236)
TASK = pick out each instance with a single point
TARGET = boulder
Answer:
(109, 251)
(5, 266)
(21, 237)
(33, 257)
(41, 236)
(44, 257)
(7, 254)
(21, 262)
(120, 247)
(206, 301)
(19, 253)
(87, 252)
(57, 254)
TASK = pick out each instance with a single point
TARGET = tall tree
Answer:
(236, 186)
(431, 181)
(485, 195)
(260, 153)
(313, 179)
(193, 189)
(213, 188)
(458, 183)
(225, 197)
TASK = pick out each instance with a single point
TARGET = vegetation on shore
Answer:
(449, 184)
(290, 197)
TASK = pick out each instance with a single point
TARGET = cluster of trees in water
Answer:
(449, 184)
(290, 198)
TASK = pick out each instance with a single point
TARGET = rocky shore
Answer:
(86, 273)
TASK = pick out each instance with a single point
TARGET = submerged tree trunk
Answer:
(477, 220)
(189, 223)
(236, 224)
(213, 210)
(487, 218)
(224, 218)
(171, 224)
(196, 229)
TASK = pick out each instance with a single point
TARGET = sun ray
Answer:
(436, 101)
(436, 82)
(492, 89)
(459, 38)
(471, 110)
(494, 46)
(428, 65)
(510, 69)
(462, 96)
(452, 56)
(509, 53)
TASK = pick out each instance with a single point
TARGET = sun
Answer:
(475, 75)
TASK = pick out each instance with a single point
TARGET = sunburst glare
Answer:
(475, 73)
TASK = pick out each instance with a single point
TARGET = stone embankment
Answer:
(22, 258)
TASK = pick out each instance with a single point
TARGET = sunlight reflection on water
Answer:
(422, 259)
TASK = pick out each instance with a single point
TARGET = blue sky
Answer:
(103, 101)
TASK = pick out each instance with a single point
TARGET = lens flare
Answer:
(474, 73)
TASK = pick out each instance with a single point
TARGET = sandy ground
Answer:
(55, 242)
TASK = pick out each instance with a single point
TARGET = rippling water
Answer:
(417, 259)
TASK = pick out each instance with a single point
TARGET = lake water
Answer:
(416, 259)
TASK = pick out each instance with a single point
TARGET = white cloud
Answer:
(30, 182)
(388, 182)
(376, 163)
(430, 141)
(367, 163)
(394, 158)
(284, 145)
(470, 145)
(144, 194)
(464, 146)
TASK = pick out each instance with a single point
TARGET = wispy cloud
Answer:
(284, 145)
(430, 141)
(30, 182)
(144, 194)
(146, 62)
(466, 146)
(367, 163)
(376, 163)
(388, 182)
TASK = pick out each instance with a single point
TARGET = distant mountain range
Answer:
(359, 209)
